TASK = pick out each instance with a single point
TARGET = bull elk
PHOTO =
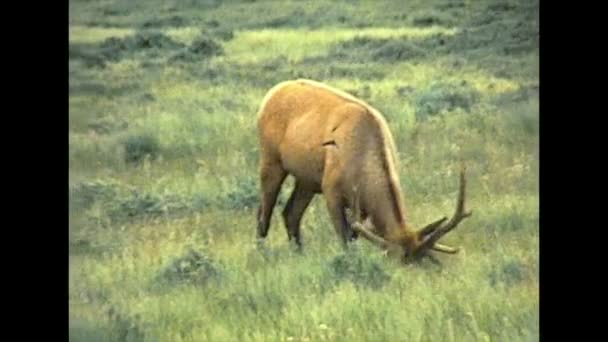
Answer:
(335, 144)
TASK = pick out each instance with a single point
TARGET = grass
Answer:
(163, 170)
(85, 34)
(253, 46)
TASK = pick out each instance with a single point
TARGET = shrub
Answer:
(146, 204)
(511, 273)
(114, 49)
(441, 97)
(107, 125)
(83, 195)
(397, 50)
(173, 21)
(195, 268)
(199, 49)
(244, 194)
(123, 327)
(222, 34)
(139, 146)
(432, 17)
(359, 269)
(142, 40)
(365, 49)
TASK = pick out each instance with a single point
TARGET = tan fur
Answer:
(335, 144)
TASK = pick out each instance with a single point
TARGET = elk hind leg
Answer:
(272, 176)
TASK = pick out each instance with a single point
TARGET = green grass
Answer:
(254, 46)
(85, 34)
(163, 170)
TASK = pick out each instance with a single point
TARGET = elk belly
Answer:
(302, 153)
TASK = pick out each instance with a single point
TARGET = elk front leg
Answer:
(338, 218)
(271, 178)
(337, 212)
(335, 201)
(294, 210)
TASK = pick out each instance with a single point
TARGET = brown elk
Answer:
(335, 144)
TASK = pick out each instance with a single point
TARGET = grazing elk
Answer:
(335, 144)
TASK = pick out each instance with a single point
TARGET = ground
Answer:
(164, 162)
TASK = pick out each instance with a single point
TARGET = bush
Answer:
(397, 50)
(441, 97)
(366, 49)
(107, 125)
(222, 34)
(432, 17)
(114, 49)
(193, 268)
(119, 204)
(200, 201)
(523, 116)
(146, 204)
(142, 40)
(83, 195)
(123, 327)
(506, 27)
(359, 269)
(92, 151)
(511, 273)
(139, 146)
(83, 330)
(172, 21)
(199, 49)
(206, 47)
(244, 194)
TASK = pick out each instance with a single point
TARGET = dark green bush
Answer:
(195, 268)
(83, 195)
(244, 194)
(139, 146)
(150, 43)
(115, 48)
(359, 269)
(433, 17)
(444, 96)
(366, 49)
(172, 21)
(511, 273)
(200, 49)
(145, 205)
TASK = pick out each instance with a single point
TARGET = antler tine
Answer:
(360, 228)
(459, 214)
(444, 249)
(430, 228)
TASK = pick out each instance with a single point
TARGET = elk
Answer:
(337, 145)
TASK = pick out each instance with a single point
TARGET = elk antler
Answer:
(434, 231)
(430, 228)
(444, 249)
(361, 229)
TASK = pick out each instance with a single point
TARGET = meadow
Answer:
(164, 184)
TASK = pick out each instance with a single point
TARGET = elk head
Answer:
(415, 245)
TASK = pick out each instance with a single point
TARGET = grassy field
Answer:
(164, 184)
